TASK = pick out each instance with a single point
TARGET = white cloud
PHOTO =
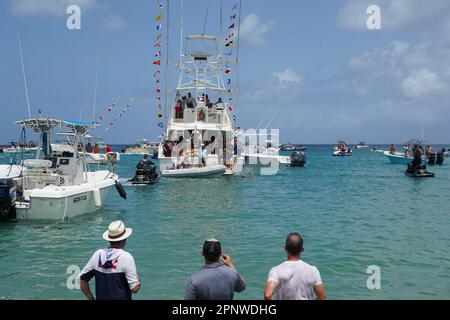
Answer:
(113, 23)
(395, 14)
(420, 83)
(253, 30)
(48, 7)
(288, 75)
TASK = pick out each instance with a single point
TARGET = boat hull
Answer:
(397, 158)
(195, 172)
(60, 203)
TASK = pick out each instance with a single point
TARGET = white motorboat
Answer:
(57, 185)
(195, 172)
(199, 133)
(398, 157)
(341, 149)
(143, 146)
(16, 147)
(361, 145)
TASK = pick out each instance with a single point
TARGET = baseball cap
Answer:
(212, 249)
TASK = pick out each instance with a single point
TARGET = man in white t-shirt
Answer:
(294, 279)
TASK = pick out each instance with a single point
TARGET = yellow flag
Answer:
(159, 17)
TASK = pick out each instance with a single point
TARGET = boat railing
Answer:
(201, 114)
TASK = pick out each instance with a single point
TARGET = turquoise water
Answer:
(353, 212)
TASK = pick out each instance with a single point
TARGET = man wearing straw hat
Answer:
(113, 268)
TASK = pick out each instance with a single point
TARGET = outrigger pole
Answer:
(24, 76)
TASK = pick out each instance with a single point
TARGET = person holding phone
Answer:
(219, 278)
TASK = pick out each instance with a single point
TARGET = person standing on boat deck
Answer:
(294, 279)
(190, 101)
(114, 269)
(405, 150)
(217, 280)
(392, 149)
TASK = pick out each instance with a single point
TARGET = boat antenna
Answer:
(206, 19)
(237, 55)
(221, 28)
(23, 74)
(181, 31)
(96, 79)
(167, 63)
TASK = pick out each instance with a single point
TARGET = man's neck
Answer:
(293, 258)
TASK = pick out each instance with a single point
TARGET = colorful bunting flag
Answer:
(159, 17)
(229, 44)
(156, 73)
(231, 27)
(233, 17)
(157, 62)
(158, 27)
(158, 53)
(227, 71)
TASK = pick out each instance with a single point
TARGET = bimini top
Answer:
(45, 124)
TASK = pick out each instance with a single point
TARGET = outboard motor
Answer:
(431, 158)
(298, 159)
(7, 199)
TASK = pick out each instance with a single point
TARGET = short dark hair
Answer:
(294, 244)
(212, 250)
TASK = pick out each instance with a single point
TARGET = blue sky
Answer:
(314, 63)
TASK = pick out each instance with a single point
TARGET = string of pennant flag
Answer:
(157, 44)
(230, 64)
(109, 110)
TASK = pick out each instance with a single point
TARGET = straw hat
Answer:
(117, 232)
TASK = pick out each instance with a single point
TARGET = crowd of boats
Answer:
(413, 155)
(57, 179)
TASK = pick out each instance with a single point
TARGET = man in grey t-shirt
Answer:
(218, 280)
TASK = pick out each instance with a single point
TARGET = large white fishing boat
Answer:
(199, 136)
(57, 184)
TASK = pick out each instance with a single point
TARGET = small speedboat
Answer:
(361, 145)
(194, 172)
(397, 158)
(418, 172)
(298, 159)
(338, 153)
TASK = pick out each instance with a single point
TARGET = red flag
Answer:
(228, 71)
(158, 89)
(157, 62)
